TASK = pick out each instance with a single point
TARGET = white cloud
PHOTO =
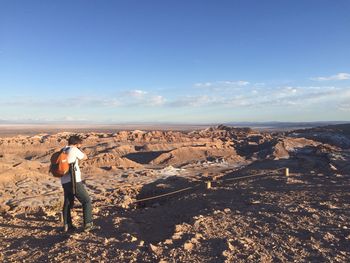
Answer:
(251, 97)
(193, 101)
(204, 84)
(86, 101)
(303, 96)
(344, 107)
(339, 76)
(239, 83)
(156, 101)
(223, 84)
(70, 118)
(259, 84)
(134, 98)
(136, 93)
(267, 97)
(138, 97)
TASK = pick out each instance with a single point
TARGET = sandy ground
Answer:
(266, 218)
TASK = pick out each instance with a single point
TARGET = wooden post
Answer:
(287, 172)
(208, 184)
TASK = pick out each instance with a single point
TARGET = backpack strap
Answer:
(72, 176)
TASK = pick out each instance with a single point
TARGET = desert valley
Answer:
(265, 217)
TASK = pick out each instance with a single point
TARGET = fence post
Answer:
(208, 184)
(287, 172)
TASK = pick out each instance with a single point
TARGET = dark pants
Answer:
(83, 197)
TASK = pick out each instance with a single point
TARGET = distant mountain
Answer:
(5, 122)
(285, 125)
(343, 128)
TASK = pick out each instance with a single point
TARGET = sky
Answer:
(188, 61)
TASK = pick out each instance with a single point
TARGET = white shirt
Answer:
(74, 155)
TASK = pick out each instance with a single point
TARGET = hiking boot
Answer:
(90, 226)
(69, 228)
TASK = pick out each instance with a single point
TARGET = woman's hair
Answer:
(74, 140)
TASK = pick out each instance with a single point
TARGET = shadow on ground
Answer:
(144, 157)
(156, 220)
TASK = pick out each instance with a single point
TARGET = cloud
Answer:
(239, 83)
(288, 96)
(344, 107)
(129, 98)
(224, 84)
(301, 96)
(204, 84)
(339, 76)
(251, 97)
(136, 93)
(72, 102)
(85, 101)
(70, 118)
(155, 101)
(193, 101)
(259, 84)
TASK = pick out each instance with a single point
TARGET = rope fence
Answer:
(167, 194)
(208, 184)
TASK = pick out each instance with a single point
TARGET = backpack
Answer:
(59, 163)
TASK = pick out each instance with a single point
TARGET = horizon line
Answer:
(24, 122)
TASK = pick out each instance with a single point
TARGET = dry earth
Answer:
(266, 218)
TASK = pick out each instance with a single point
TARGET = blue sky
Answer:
(175, 61)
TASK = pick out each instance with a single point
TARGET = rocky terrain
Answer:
(265, 217)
